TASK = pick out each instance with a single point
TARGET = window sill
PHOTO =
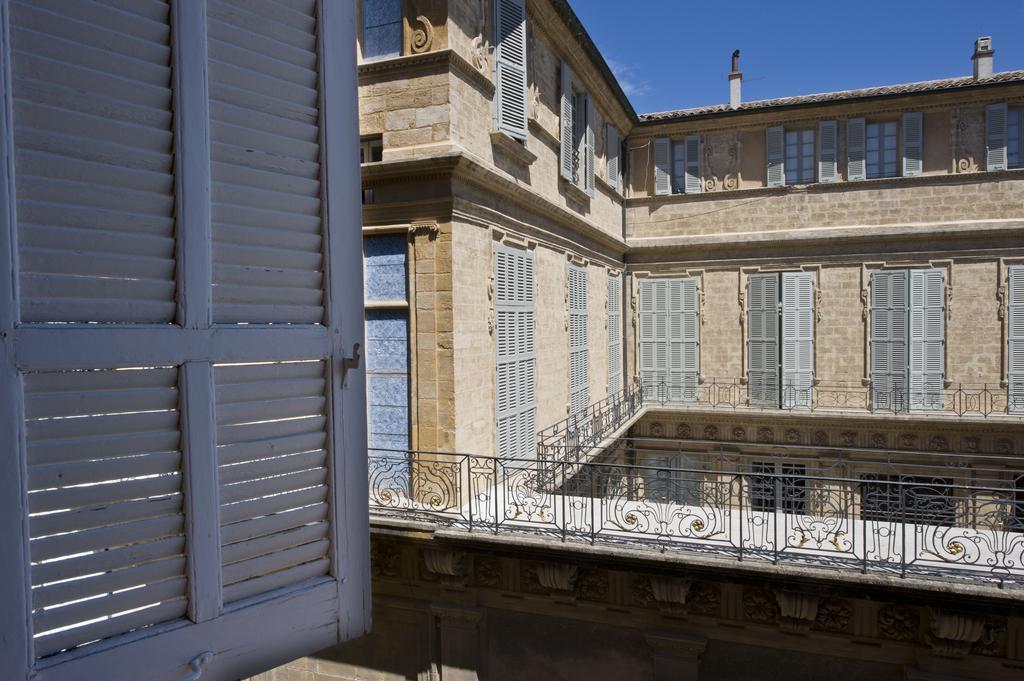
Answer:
(575, 192)
(513, 147)
(608, 186)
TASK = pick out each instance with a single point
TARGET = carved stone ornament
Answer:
(834, 615)
(820, 438)
(739, 434)
(492, 314)
(898, 623)
(385, 559)
(684, 432)
(710, 432)
(443, 563)
(427, 229)
(971, 443)
(908, 440)
(422, 36)
(797, 611)
(938, 443)
(487, 572)
(765, 435)
(480, 48)
(657, 429)
(704, 598)
(848, 438)
(792, 436)
(760, 605)
(592, 585)
(879, 440)
(953, 634)
(557, 577)
(670, 592)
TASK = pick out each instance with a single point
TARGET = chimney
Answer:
(982, 57)
(736, 79)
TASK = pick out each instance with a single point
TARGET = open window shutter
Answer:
(995, 136)
(646, 361)
(190, 488)
(693, 183)
(662, 166)
(1015, 334)
(516, 365)
(856, 163)
(568, 138)
(927, 337)
(690, 337)
(579, 373)
(763, 339)
(797, 338)
(510, 67)
(588, 149)
(775, 154)
(611, 150)
(913, 148)
(614, 334)
(827, 151)
(889, 330)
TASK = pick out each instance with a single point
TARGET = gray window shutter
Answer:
(693, 177)
(647, 341)
(689, 337)
(1015, 334)
(856, 165)
(654, 337)
(662, 166)
(995, 136)
(889, 293)
(567, 133)
(763, 339)
(927, 338)
(797, 338)
(614, 334)
(827, 151)
(611, 152)
(913, 148)
(588, 149)
(516, 354)
(579, 374)
(775, 154)
(510, 67)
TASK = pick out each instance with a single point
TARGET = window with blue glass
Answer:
(382, 28)
(387, 341)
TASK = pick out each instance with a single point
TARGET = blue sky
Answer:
(670, 54)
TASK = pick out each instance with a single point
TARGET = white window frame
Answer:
(878, 162)
(801, 167)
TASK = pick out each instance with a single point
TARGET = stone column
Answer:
(675, 657)
(458, 643)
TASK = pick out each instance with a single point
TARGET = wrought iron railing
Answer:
(571, 438)
(960, 519)
(961, 399)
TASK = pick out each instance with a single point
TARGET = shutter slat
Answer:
(272, 524)
(170, 609)
(1015, 338)
(662, 166)
(775, 150)
(96, 585)
(276, 580)
(889, 338)
(913, 144)
(995, 136)
(510, 67)
(102, 538)
(567, 134)
(612, 155)
(856, 157)
(87, 518)
(763, 339)
(272, 543)
(927, 338)
(798, 338)
(827, 143)
(693, 184)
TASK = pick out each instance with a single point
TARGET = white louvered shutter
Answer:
(510, 67)
(689, 313)
(775, 155)
(913, 143)
(692, 145)
(516, 364)
(763, 339)
(927, 338)
(797, 338)
(827, 141)
(1015, 339)
(589, 171)
(662, 166)
(191, 483)
(995, 136)
(856, 161)
(646, 363)
(612, 152)
(889, 339)
(579, 370)
(614, 334)
(567, 115)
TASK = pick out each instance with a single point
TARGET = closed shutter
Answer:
(775, 150)
(693, 183)
(579, 374)
(856, 163)
(1015, 334)
(889, 339)
(913, 148)
(689, 337)
(588, 149)
(614, 334)
(927, 338)
(662, 166)
(567, 116)
(612, 155)
(516, 354)
(797, 338)
(647, 340)
(827, 151)
(763, 339)
(153, 462)
(510, 67)
(995, 136)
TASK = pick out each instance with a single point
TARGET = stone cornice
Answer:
(438, 60)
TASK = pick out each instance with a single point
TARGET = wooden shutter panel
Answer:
(589, 171)
(775, 154)
(693, 175)
(856, 162)
(1015, 338)
(614, 334)
(763, 339)
(889, 339)
(662, 166)
(797, 338)
(516, 400)
(646, 360)
(510, 67)
(568, 138)
(689, 338)
(827, 141)
(995, 136)
(927, 338)
(579, 374)
(913, 148)
(612, 155)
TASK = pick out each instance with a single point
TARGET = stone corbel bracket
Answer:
(952, 634)
(427, 229)
(558, 577)
(448, 565)
(797, 611)
(670, 593)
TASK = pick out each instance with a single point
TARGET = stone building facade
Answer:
(839, 186)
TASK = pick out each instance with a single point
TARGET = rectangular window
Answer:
(780, 339)
(371, 149)
(902, 498)
(579, 373)
(882, 154)
(516, 358)
(674, 479)
(686, 173)
(799, 156)
(578, 117)
(382, 29)
(614, 334)
(670, 339)
(778, 487)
